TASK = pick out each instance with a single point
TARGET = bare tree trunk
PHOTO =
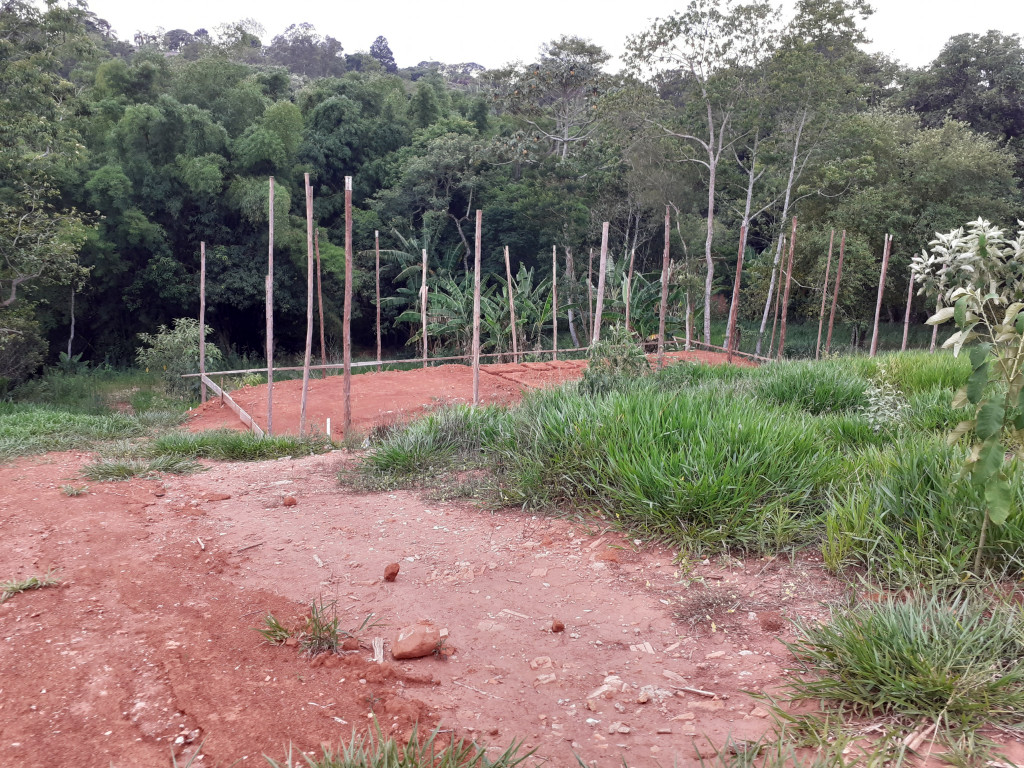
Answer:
(511, 308)
(476, 308)
(346, 319)
(602, 268)
(906, 316)
(881, 292)
(785, 297)
(554, 303)
(202, 322)
(590, 296)
(663, 307)
(270, 316)
(572, 283)
(730, 332)
(835, 294)
(776, 272)
(423, 306)
(824, 296)
(320, 302)
(309, 307)
(628, 291)
(785, 213)
(376, 248)
(71, 337)
(935, 328)
(708, 260)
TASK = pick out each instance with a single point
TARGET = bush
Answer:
(172, 352)
(614, 361)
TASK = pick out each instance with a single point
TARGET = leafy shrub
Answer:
(614, 361)
(171, 352)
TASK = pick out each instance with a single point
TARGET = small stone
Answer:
(675, 678)
(557, 626)
(664, 730)
(391, 572)
(415, 641)
(609, 556)
(289, 501)
(218, 496)
(643, 698)
(539, 573)
(592, 722)
(545, 679)
(350, 644)
(759, 712)
(714, 655)
(684, 717)
(618, 728)
(541, 662)
(591, 706)
(707, 706)
(291, 642)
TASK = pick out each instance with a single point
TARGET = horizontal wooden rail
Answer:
(244, 417)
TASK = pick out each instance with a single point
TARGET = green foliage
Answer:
(817, 388)
(377, 751)
(171, 352)
(949, 660)
(614, 361)
(9, 589)
(233, 445)
(111, 469)
(29, 429)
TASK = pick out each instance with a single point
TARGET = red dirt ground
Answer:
(147, 647)
(395, 396)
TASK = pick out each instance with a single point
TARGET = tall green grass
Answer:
(232, 445)
(29, 429)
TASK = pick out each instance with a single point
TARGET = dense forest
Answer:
(118, 158)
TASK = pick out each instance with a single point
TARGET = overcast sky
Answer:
(913, 31)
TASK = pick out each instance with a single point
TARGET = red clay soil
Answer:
(398, 396)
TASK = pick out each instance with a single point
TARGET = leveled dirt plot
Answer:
(148, 645)
(398, 396)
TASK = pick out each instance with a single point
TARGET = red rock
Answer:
(289, 501)
(291, 642)
(390, 572)
(350, 644)
(557, 626)
(415, 641)
(218, 496)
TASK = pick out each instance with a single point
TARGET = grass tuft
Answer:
(233, 445)
(9, 589)
(105, 470)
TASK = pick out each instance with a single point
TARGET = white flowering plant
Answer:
(978, 274)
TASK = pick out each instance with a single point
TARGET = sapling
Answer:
(979, 275)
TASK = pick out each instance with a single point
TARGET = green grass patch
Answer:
(110, 469)
(906, 517)
(378, 751)
(953, 660)
(232, 445)
(30, 429)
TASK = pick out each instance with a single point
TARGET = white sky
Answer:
(493, 34)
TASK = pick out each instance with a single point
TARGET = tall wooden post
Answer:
(881, 291)
(476, 307)
(346, 318)
(376, 249)
(778, 294)
(320, 302)
(627, 293)
(785, 298)
(309, 306)
(835, 294)
(511, 307)
(663, 307)
(554, 303)
(824, 295)
(906, 316)
(423, 306)
(590, 296)
(270, 316)
(734, 309)
(935, 328)
(602, 268)
(202, 321)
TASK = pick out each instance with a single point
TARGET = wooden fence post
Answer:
(734, 309)
(270, 316)
(309, 306)
(590, 296)
(202, 321)
(881, 291)
(511, 307)
(602, 268)
(476, 308)
(785, 298)
(346, 317)
(835, 295)
(627, 293)
(320, 302)
(423, 306)
(554, 303)
(376, 248)
(906, 316)
(824, 295)
(663, 307)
